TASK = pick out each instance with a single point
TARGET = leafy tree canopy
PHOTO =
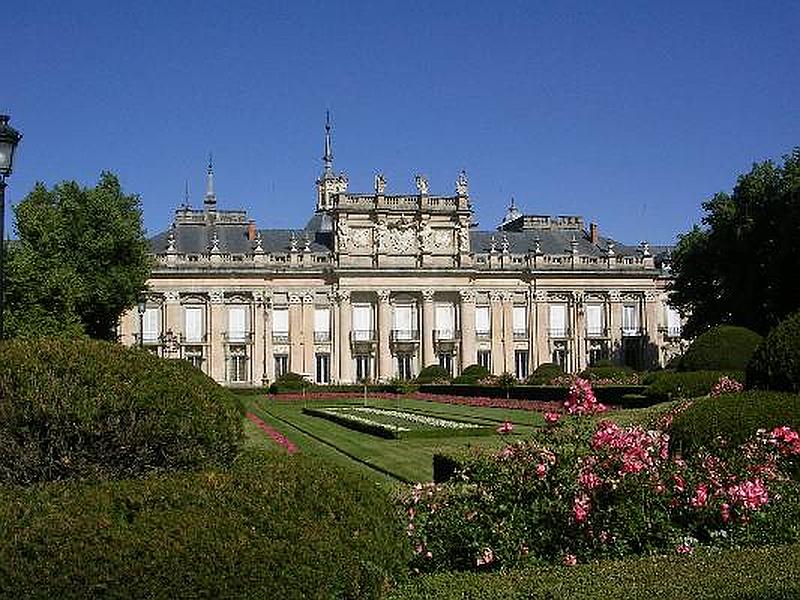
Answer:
(81, 260)
(741, 266)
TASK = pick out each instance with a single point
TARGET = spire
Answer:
(327, 158)
(211, 196)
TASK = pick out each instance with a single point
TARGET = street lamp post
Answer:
(9, 138)
(142, 307)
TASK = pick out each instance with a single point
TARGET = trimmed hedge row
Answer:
(75, 409)
(664, 386)
(725, 347)
(735, 417)
(271, 527)
(611, 394)
(763, 573)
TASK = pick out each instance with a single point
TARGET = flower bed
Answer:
(390, 423)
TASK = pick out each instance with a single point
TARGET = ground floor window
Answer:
(598, 350)
(521, 364)
(559, 355)
(194, 356)
(281, 364)
(363, 367)
(323, 371)
(446, 362)
(237, 364)
(485, 359)
(404, 366)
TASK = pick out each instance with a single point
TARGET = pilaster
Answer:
(508, 332)
(495, 300)
(385, 327)
(428, 326)
(308, 334)
(615, 324)
(216, 343)
(467, 306)
(296, 333)
(542, 342)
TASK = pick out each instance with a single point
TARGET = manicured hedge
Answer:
(611, 394)
(76, 409)
(776, 363)
(433, 374)
(670, 385)
(721, 348)
(271, 527)
(608, 372)
(472, 375)
(289, 382)
(735, 417)
(544, 374)
(760, 573)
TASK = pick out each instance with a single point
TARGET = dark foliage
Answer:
(472, 375)
(776, 362)
(544, 374)
(721, 348)
(433, 374)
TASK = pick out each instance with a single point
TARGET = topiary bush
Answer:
(544, 374)
(472, 375)
(605, 372)
(289, 382)
(734, 417)
(272, 526)
(433, 374)
(725, 347)
(776, 362)
(74, 409)
(670, 385)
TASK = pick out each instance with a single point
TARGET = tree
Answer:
(81, 260)
(741, 267)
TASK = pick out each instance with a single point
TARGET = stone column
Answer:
(498, 361)
(385, 327)
(651, 314)
(542, 343)
(269, 360)
(217, 324)
(468, 354)
(296, 333)
(345, 358)
(615, 324)
(426, 330)
(508, 332)
(257, 360)
(579, 335)
(308, 335)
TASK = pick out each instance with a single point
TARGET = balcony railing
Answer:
(362, 336)
(671, 332)
(280, 337)
(558, 333)
(597, 332)
(238, 337)
(149, 339)
(632, 331)
(193, 340)
(446, 335)
(483, 335)
(404, 335)
(322, 337)
(520, 334)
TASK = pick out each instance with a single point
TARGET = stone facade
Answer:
(378, 286)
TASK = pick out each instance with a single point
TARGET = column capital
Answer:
(383, 295)
(507, 296)
(295, 298)
(308, 297)
(341, 296)
(495, 297)
(614, 295)
(467, 295)
(216, 296)
(427, 295)
(172, 297)
(651, 295)
(540, 296)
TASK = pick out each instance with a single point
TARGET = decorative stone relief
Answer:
(462, 184)
(380, 184)
(540, 296)
(295, 298)
(427, 295)
(422, 184)
(342, 296)
(383, 295)
(308, 297)
(342, 234)
(507, 296)
(362, 237)
(425, 237)
(614, 295)
(382, 237)
(442, 239)
(216, 297)
(463, 239)
(495, 297)
(651, 295)
(402, 241)
(172, 297)
(467, 295)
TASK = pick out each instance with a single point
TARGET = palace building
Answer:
(377, 286)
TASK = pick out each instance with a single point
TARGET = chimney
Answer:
(594, 235)
(251, 230)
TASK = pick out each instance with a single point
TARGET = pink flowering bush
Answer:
(581, 399)
(613, 491)
(726, 385)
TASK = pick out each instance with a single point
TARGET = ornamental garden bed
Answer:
(398, 424)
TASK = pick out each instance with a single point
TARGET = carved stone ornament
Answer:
(216, 297)
(462, 184)
(426, 237)
(215, 243)
(380, 184)
(463, 239)
(495, 297)
(362, 237)
(402, 241)
(614, 295)
(651, 295)
(341, 184)
(507, 296)
(540, 296)
(295, 298)
(467, 296)
(578, 297)
(504, 244)
(442, 239)
(383, 295)
(308, 297)
(342, 234)
(172, 297)
(292, 242)
(382, 237)
(342, 295)
(422, 184)
(427, 295)
(171, 240)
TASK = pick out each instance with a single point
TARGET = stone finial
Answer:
(422, 184)
(504, 243)
(644, 249)
(306, 243)
(610, 249)
(537, 246)
(214, 243)
(573, 245)
(493, 245)
(292, 242)
(259, 249)
(380, 184)
(171, 240)
(462, 184)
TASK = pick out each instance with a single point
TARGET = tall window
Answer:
(323, 371)
(322, 324)
(363, 323)
(595, 323)
(560, 354)
(520, 322)
(485, 359)
(404, 322)
(280, 325)
(558, 320)
(193, 324)
(237, 364)
(482, 323)
(446, 362)
(630, 319)
(151, 325)
(363, 367)
(404, 366)
(281, 364)
(237, 323)
(521, 364)
(194, 356)
(673, 323)
(598, 350)
(445, 321)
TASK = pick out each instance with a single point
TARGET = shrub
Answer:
(604, 374)
(670, 385)
(544, 374)
(472, 375)
(776, 362)
(722, 348)
(76, 409)
(272, 527)
(433, 374)
(289, 382)
(735, 417)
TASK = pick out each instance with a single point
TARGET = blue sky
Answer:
(629, 113)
